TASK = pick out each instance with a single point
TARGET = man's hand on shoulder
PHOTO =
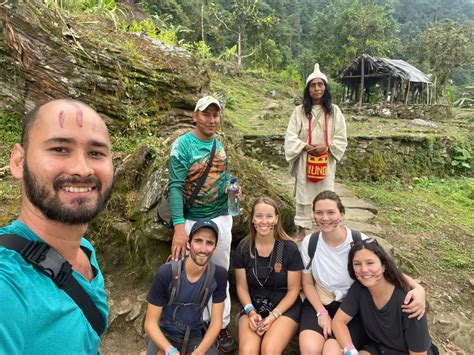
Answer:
(179, 243)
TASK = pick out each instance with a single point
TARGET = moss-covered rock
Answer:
(124, 76)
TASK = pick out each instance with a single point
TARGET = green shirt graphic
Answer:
(188, 159)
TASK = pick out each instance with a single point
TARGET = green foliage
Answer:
(268, 55)
(230, 102)
(99, 4)
(291, 72)
(449, 93)
(169, 37)
(130, 142)
(9, 196)
(246, 22)
(416, 16)
(202, 50)
(347, 29)
(444, 47)
(461, 160)
(146, 26)
(337, 90)
(10, 132)
(85, 5)
(229, 53)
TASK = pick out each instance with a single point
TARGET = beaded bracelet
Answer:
(249, 308)
(322, 312)
(171, 350)
(350, 349)
(275, 314)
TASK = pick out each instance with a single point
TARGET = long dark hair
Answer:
(279, 233)
(326, 100)
(392, 272)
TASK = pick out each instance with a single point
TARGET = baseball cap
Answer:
(205, 223)
(205, 101)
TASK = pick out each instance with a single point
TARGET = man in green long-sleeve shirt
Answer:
(189, 156)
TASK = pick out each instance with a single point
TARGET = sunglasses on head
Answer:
(364, 241)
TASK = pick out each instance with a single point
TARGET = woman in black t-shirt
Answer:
(376, 297)
(268, 275)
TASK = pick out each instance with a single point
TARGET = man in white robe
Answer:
(317, 100)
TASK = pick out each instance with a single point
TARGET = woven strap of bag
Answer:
(310, 118)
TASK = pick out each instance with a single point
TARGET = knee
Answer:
(331, 346)
(247, 349)
(310, 345)
(270, 347)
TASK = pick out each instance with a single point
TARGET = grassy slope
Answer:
(248, 102)
(430, 220)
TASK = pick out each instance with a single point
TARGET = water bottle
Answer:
(233, 202)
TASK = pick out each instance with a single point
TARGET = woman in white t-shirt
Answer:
(326, 280)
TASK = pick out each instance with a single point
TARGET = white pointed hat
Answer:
(316, 74)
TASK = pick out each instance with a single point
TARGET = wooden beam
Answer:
(365, 75)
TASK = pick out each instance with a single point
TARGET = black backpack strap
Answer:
(313, 243)
(279, 251)
(202, 179)
(280, 244)
(176, 268)
(356, 236)
(204, 293)
(49, 262)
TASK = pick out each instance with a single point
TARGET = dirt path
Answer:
(449, 326)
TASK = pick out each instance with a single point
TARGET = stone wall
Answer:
(371, 158)
(437, 112)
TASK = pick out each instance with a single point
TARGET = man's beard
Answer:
(51, 205)
(194, 256)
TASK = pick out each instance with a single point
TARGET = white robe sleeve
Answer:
(294, 146)
(338, 138)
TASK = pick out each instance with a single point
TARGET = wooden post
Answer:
(361, 90)
(407, 92)
(389, 95)
(427, 94)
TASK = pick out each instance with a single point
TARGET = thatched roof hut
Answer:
(397, 79)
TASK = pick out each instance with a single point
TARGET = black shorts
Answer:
(379, 349)
(294, 312)
(309, 321)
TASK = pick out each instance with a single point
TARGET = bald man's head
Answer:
(30, 118)
(64, 161)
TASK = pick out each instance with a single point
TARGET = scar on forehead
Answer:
(79, 118)
(61, 119)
